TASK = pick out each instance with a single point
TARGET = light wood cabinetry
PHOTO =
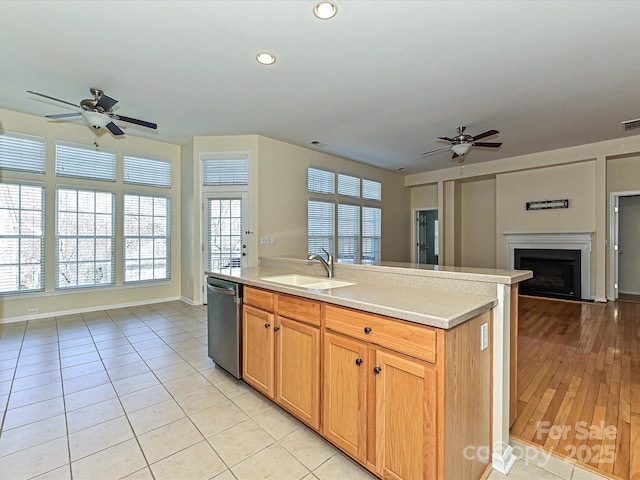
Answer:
(281, 351)
(407, 401)
(379, 405)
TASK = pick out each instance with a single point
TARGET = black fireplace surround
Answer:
(556, 272)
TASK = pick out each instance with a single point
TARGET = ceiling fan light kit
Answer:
(97, 112)
(462, 143)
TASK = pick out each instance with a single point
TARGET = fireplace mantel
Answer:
(556, 240)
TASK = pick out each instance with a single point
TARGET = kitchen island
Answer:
(406, 369)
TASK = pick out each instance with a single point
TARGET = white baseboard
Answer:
(629, 293)
(96, 308)
(600, 299)
(189, 301)
(504, 463)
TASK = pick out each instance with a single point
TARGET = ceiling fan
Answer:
(97, 112)
(461, 143)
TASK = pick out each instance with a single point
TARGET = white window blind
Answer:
(26, 153)
(371, 189)
(348, 185)
(371, 233)
(21, 238)
(147, 171)
(80, 161)
(85, 238)
(225, 171)
(320, 181)
(320, 226)
(147, 238)
(348, 233)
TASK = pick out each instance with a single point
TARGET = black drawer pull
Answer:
(367, 330)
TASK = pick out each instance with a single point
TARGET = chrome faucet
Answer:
(327, 264)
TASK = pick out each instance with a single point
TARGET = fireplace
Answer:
(561, 243)
(556, 272)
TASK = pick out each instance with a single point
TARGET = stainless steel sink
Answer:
(305, 281)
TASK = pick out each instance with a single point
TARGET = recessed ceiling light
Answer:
(325, 10)
(265, 58)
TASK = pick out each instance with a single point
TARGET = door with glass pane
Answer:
(427, 237)
(226, 230)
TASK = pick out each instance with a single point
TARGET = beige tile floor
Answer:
(131, 393)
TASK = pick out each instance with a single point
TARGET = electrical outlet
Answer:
(32, 311)
(484, 336)
(264, 240)
(273, 240)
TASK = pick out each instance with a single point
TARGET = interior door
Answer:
(427, 237)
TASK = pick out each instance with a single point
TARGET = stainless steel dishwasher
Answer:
(224, 319)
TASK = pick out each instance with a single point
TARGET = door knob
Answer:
(377, 370)
(359, 361)
(367, 330)
(275, 329)
(267, 325)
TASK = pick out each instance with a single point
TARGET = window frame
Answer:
(153, 238)
(347, 198)
(20, 236)
(112, 238)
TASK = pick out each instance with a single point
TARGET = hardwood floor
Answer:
(579, 382)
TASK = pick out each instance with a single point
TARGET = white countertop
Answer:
(423, 305)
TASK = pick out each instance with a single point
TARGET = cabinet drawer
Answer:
(299, 309)
(258, 298)
(416, 340)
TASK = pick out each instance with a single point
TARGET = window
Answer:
(371, 189)
(147, 171)
(348, 185)
(147, 238)
(320, 226)
(348, 233)
(224, 233)
(24, 153)
(21, 238)
(80, 161)
(357, 220)
(371, 230)
(225, 169)
(320, 181)
(85, 238)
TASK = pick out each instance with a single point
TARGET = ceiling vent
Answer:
(630, 125)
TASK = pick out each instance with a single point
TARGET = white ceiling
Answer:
(378, 83)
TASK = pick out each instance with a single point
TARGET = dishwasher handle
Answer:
(224, 291)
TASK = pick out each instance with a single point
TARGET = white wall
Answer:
(50, 301)
(478, 223)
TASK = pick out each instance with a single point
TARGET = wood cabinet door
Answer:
(406, 430)
(298, 370)
(345, 394)
(258, 350)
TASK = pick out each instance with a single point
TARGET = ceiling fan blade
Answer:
(441, 149)
(446, 138)
(106, 103)
(486, 134)
(487, 144)
(135, 121)
(64, 115)
(52, 98)
(113, 128)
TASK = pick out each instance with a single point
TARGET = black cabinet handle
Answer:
(367, 330)
(267, 325)
(275, 329)
(377, 370)
(359, 361)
